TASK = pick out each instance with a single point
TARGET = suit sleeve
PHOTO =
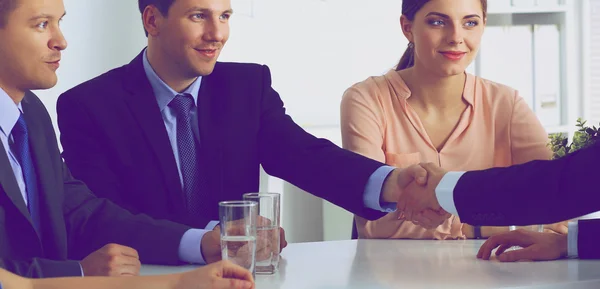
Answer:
(314, 165)
(587, 239)
(537, 192)
(85, 154)
(94, 222)
(41, 268)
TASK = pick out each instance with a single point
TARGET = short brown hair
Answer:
(6, 6)
(162, 5)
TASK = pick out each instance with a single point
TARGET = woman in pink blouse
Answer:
(430, 110)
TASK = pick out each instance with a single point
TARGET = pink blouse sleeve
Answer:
(362, 124)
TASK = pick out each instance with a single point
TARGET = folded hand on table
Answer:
(112, 260)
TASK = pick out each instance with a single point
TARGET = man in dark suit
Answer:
(42, 208)
(174, 132)
(46, 216)
(538, 192)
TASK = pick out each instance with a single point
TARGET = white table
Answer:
(377, 264)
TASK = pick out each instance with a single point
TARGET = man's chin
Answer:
(206, 70)
(43, 84)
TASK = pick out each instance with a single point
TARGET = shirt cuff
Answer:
(444, 192)
(80, 268)
(373, 190)
(190, 246)
(572, 251)
(211, 225)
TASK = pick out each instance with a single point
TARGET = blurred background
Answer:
(547, 49)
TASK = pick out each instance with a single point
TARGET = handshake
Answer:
(413, 191)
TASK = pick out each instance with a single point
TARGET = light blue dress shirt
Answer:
(189, 248)
(445, 195)
(372, 196)
(164, 95)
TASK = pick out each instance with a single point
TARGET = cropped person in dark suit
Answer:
(538, 192)
(174, 132)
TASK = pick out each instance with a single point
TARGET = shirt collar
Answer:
(163, 93)
(9, 113)
(404, 92)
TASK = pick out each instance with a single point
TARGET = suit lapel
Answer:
(212, 102)
(48, 173)
(10, 186)
(142, 103)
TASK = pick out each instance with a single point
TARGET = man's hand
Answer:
(282, 241)
(536, 246)
(220, 275)
(265, 243)
(112, 260)
(399, 179)
(417, 199)
(210, 246)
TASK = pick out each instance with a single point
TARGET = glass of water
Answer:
(268, 242)
(238, 232)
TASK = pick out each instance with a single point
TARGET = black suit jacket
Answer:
(538, 192)
(74, 222)
(115, 140)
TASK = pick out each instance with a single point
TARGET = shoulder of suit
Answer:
(107, 80)
(35, 101)
(40, 109)
(114, 78)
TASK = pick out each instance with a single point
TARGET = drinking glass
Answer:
(268, 242)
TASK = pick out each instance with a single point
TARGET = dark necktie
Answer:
(182, 104)
(23, 154)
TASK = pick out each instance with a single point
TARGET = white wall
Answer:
(316, 49)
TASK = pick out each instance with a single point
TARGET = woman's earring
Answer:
(411, 45)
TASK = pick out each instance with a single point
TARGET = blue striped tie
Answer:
(23, 151)
(182, 104)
